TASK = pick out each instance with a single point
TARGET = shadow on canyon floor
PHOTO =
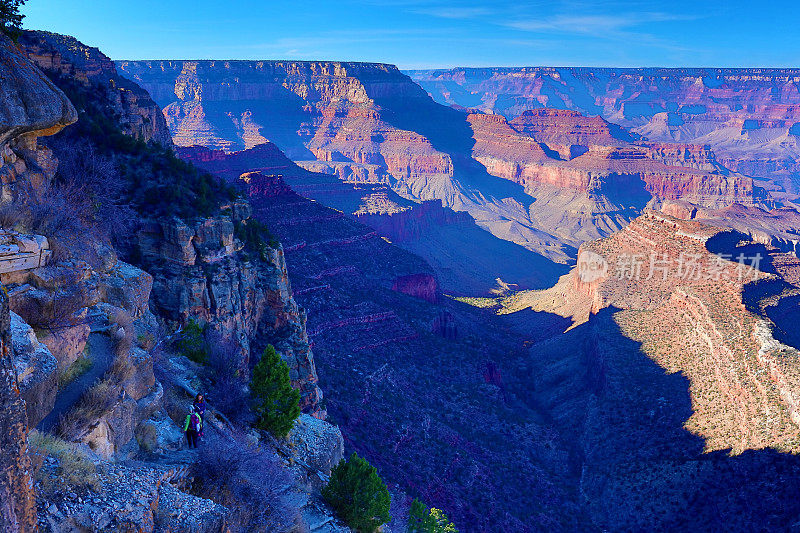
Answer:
(634, 464)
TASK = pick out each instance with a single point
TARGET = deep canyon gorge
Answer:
(539, 299)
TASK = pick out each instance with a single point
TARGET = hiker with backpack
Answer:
(199, 406)
(193, 427)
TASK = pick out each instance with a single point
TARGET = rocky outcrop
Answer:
(64, 56)
(270, 161)
(266, 158)
(36, 370)
(776, 228)
(567, 132)
(317, 444)
(201, 273)
(32, 107)
(31, 102)
(265, 186)
(423, 286)
(684, 299)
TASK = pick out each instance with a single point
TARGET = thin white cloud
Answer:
(455, 12)
(597, 25)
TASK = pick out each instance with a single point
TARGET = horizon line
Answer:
(455, 67)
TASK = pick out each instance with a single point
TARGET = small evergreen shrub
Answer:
(358, 495)
(423, 520)
(276, 403)
(192, 344)
(256, 237)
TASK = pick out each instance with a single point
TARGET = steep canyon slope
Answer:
(670, 364)
(409, 371)
(84, 196)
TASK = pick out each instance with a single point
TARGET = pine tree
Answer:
(358, 495)
(422, 520)
(277, 404)
(11, 18)
(419, 521)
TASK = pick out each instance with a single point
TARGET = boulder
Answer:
(29, 102)
(317, 443)
(113, 431)
(127, 287)
(37, 370)
(68, 342)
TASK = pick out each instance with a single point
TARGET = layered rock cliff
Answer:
(591, 160)
(68, 58)
(379, 326)
(748, 116)
(86, 371)
(266, 98)
(369, 124)
(666, 325)
(202, 269)
(203, 272)
(686, 299)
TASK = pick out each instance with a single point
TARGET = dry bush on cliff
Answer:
(91, 182)
(82, 205)
(72, 468)
(227, 389)
(249, 481)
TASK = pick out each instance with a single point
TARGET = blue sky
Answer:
(436, 33)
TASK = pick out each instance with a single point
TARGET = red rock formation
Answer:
(266, 158)
(423, 286)
(360, 135)
(670, 292)
(749, 116)
(568, 132)
(524, 159)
